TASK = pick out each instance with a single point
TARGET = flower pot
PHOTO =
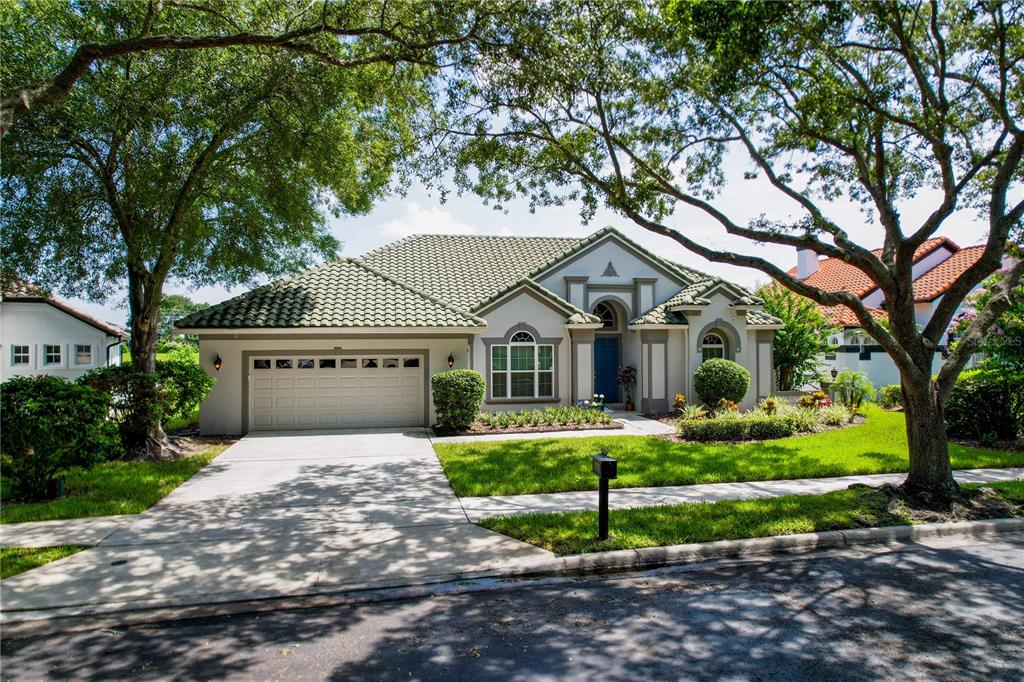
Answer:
(629, 406)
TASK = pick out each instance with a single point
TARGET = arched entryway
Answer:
(608, 349)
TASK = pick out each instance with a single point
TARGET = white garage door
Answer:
(325, 392)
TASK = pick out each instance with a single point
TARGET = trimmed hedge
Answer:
(737, 429)
(986, 405)
(51, 425)
(718, 378)
(890, 396)
(457, 397)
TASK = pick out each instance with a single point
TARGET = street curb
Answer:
(18, 624)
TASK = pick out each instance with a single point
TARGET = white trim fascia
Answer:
(678, 308)
(368, 331)
(767, 327)
(588, 325)
(641, 327)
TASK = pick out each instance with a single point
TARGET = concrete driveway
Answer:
(285, 513)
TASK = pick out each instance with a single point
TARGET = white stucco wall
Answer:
(39, 324)
(221, 412)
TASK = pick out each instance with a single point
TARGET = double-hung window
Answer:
(83, 354)
(522, 368)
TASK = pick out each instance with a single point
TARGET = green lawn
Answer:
(515, 467)
(575, 532)
(14, 560)
(112, 488)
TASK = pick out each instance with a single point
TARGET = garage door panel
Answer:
(336, 392)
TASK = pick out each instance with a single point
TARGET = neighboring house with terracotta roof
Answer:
(547, 321)
(41, 334)
(937, 264)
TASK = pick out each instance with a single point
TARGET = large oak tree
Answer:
(634, 105)
(207, 165)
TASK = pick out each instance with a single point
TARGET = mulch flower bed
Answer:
(480, 429)
(858, 419)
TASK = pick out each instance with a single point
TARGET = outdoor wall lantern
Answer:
(451, 360)
(835, 372)
(217, 362)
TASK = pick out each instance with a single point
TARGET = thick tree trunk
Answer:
(144, 307)
(930, 480)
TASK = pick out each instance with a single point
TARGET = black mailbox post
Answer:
(606, 469)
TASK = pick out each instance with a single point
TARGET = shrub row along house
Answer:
(547, 321)
(938, 262)
(41, 334)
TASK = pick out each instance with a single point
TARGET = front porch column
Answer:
(582, 364)
(654, 371)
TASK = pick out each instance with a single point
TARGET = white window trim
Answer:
(73, 355)
(508, 371)
(27, 363)
(63, 355)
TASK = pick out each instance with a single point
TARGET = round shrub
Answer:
(51, 425)
(986, 405)
(457, 397)
(717, 378)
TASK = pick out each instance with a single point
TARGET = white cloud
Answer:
(419, 219)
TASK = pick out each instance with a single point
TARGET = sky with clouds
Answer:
(421, 211)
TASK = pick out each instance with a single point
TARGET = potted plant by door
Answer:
(627, 380)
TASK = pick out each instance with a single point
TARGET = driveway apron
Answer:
(283, 513)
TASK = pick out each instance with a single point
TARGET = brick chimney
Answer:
(806, 263)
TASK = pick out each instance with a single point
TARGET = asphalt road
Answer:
(954, 610)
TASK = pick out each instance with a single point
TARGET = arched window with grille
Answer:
(607, 315)
(712, 346)
(522, 368)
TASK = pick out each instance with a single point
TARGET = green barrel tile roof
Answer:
(466, 270)
(341, 293)
(759, 318)
(576, 315)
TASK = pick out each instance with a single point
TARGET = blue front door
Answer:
(606, 366)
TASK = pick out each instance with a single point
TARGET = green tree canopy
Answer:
(635, 105)
(798, 346)
(207, 166)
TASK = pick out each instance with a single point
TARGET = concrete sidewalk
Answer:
(478, 508)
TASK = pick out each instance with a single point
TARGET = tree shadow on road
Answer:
(932, 613)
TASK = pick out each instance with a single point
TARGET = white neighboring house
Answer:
(40, 334)
(937, 264)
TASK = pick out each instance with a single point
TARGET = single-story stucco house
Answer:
(42, 334)
(547, 321)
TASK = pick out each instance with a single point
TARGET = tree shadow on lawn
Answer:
(925, 613)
